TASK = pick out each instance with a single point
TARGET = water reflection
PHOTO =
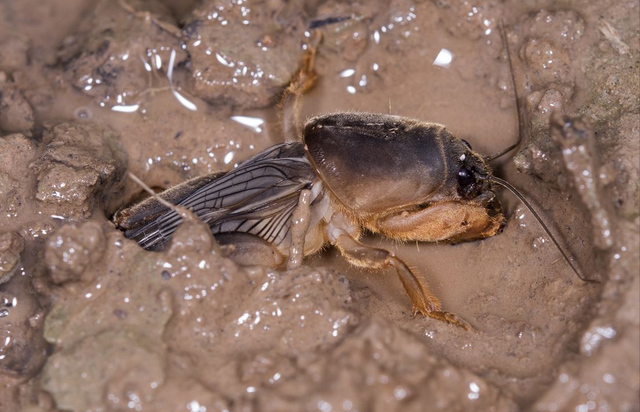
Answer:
(347, 73)
(254, 123)
(183, 100)
(389, 36)
(126, 108)
(443, 59)
(224, 61)
(153, 64)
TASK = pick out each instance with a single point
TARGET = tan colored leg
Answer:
(447, 221)
(302, 81)
(424, 302)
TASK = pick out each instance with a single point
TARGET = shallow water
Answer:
(92, 322)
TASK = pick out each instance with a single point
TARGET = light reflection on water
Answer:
(444, 59)
(254, 123)
(404, 25)
(154, 64)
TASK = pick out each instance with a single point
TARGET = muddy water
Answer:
(172, 91)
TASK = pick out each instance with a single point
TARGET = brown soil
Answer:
(172, 90)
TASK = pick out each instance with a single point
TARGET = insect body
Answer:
(257, 198)
(399, 177)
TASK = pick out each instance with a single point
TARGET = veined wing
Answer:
(257, 197)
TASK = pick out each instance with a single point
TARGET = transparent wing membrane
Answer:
(257, 197)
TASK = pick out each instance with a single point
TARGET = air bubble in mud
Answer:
(82, 113)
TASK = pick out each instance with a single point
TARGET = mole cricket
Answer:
(401, 178)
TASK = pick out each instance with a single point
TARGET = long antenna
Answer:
(515, 92)
(517, 194)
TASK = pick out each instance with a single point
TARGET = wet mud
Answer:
(173, 90)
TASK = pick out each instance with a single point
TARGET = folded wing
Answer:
(257, 197)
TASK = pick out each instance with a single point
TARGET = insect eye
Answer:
(465, 177)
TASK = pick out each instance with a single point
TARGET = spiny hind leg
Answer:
(424, 301)
(302, 81)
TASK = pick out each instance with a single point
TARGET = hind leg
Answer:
(424, 302)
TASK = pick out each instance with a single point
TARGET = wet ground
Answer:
(173, 90)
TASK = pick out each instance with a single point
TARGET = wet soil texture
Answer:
(171, 90)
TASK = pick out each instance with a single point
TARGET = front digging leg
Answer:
(424, 301)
